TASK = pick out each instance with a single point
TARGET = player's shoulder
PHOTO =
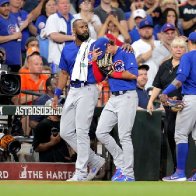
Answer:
(189, 54)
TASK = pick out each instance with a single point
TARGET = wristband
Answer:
(117, 75)
(169, 89)
(58, 92)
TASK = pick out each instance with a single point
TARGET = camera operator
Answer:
(48, 143)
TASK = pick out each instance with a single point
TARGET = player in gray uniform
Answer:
(186, 119)
(120, 108)
(80, 103)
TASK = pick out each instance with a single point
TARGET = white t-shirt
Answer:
(55, 23)
(159, 54)
(93, 33)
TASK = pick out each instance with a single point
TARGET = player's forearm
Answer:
(126, 75)
(62, 81)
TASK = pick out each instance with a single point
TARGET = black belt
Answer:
(116, 93)
(78, 84)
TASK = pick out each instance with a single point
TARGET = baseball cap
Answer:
(192, 36)
(147, 22)
(3, 2)
(168, 26)
(32, 50)
(100, 43)
(139, 13)
(144, 66)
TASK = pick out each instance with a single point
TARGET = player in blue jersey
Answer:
(186, 119)
(80, 102)
(120, 108)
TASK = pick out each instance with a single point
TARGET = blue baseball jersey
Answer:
(12, 48)
(187, 67)
(123, 61)
(67, 61)
(21, 17)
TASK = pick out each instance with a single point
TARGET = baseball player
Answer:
(80, 102)
(186, 119)
(120, 108)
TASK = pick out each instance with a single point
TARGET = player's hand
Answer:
(163, 98)
(127, 47)
(55, 102)
(95, 54)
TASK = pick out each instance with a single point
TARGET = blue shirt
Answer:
(67, 61)
(187, 67)
(134, 34)
(123, 61)
(21, 16)
(143, 97)
(13, 47)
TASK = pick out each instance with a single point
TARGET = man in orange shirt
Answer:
(32, 80)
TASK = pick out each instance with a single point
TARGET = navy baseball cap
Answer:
(192, 36)
(100, 43)
(4, 2)
(144, 66)
(147, 22)
(168, 26)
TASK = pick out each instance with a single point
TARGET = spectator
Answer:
(168, 16)
(10, 36)
(94, 23)
(25, 23)
(134, 21)
(153, 9)
(164, 4)
(34, 81)
(187, 15)
(138, 4)
(105, 9)
(31, 42)
(59, 31)
(166, 74)
(114, 30)
(48, 143)
(142, 79)
(49, 8)
(149, 51)
(167, 35)
(51, 84)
